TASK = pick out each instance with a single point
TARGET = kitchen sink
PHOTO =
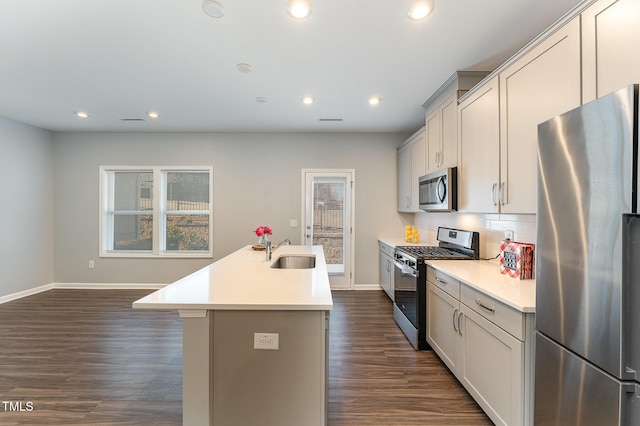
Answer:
(295, 262)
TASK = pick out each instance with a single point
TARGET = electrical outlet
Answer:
(91, 264)
(293, 223)
(269, 341)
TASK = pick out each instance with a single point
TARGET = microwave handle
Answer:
(441, 189)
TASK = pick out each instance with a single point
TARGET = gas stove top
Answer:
(433, 252)
(453, 244)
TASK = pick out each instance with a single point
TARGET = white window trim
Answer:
(159, 179)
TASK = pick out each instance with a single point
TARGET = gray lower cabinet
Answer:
(486, 344)
(386, 268)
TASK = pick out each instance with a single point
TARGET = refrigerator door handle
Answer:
(631, 297)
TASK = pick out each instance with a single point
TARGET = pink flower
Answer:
(262, 230)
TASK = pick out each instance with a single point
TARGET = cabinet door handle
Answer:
(479, 303)
(501, 197)
(493, 194)
(441, 281)
(455, 312)
(459, 325)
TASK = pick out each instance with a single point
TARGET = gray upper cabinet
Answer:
(501, 117)
(610, 45)
(543, 83)
(411, 165)
(441, 119)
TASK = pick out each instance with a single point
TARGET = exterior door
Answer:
(328, 221)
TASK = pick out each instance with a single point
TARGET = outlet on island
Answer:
(268, 341)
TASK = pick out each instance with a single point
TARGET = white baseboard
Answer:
(367, 287)
(88, 286)
(25, 293)
(110, 286)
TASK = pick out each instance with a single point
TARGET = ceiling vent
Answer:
(134, 120)
(330, 119)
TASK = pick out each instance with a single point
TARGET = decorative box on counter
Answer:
(516, 259)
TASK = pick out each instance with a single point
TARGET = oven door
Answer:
(405, 293)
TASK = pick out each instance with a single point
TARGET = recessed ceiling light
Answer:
(420, 9)
(213, 8)
(153, 114)
(261, 99)
(81, 114)
(243, 68)
(299, 9)
(308, 100)
(375, 100)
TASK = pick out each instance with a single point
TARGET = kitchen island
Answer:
(255, 339)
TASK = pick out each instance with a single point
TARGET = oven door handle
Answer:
(406, 270)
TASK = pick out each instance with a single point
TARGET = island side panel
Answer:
(281, 387)
(197, 350)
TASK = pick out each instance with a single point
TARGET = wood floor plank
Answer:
(85, 357)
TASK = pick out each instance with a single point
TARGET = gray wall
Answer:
(257, 181)
(26, 210)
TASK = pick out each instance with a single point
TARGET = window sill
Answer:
(148, 255)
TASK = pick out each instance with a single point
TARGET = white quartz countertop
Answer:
(244, 280)
(485, 276)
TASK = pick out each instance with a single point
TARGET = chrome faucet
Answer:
(285, 241)
(269, 249)
(267, 246)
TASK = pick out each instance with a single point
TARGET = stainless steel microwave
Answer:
(438, 191)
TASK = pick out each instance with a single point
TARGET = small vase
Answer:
(262, 240)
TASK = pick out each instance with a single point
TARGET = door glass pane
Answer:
(328, 220)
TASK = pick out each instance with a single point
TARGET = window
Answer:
(156, 211)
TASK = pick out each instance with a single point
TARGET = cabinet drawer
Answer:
(386, 248)
(444, 282)
(505, 317)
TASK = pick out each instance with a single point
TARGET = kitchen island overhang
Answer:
(223, 306)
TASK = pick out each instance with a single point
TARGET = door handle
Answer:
(501, 197)
(455, 311)
(459, 323)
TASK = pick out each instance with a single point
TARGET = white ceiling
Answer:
(118, 59)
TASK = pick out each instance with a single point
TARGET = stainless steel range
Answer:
(410, 278)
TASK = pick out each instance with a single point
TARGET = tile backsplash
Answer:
(490, 226)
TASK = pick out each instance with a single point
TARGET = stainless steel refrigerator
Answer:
(587, 364)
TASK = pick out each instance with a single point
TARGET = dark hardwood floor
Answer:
(78, 357)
